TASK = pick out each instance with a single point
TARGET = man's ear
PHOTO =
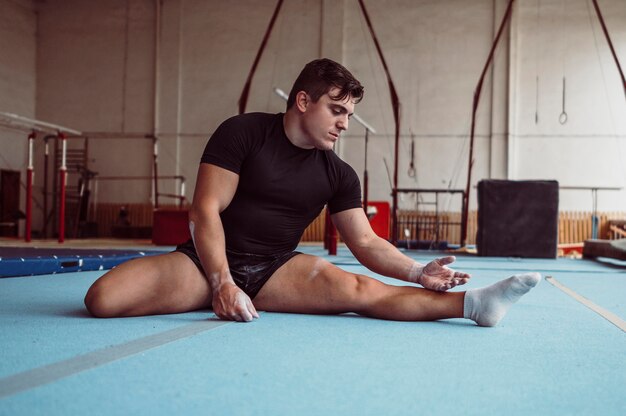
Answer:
(302, 101)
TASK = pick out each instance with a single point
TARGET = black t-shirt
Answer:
(282, 188)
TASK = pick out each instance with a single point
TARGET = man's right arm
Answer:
(215, 188)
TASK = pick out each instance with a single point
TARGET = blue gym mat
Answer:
(28, 261)
(551, 355)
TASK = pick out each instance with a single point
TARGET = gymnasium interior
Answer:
(491, 130)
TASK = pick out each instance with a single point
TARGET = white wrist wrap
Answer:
(415, 273)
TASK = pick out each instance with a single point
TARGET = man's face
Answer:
(326, 119)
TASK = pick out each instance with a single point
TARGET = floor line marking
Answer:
(36, 377)
(608, 315)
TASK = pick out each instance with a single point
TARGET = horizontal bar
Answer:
(38, 124)
(115, 135)
(591, 188)
(433, 191)
(112, 135)
(363, 123)
(123, 178)
(172, 196)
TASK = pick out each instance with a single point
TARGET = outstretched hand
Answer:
(437, 276)
(231, 303)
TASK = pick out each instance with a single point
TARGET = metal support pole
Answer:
(595, 221)
(182, 193)
(62, 184)
(30, 173)
(155, 155)
(365, 176)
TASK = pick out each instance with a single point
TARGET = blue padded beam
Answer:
(29, 261)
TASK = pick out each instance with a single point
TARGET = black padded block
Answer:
(518, 218)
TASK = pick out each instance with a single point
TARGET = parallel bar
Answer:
(126, 178)
(592, 188)
(47, 374)
(38, 124)
(433, 190)
(609, 316)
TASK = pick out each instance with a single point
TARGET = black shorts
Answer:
(249, 271)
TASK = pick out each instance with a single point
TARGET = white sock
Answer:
(488, 305)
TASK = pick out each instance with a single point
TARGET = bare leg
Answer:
(168, 283)
(308, 284)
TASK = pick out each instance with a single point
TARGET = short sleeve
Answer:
(348, 193)
(228, 146)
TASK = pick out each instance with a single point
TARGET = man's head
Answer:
(320, 104)
(320, 76)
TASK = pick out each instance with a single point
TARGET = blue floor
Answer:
(551, 355)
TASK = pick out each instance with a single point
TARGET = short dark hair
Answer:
(319, 76)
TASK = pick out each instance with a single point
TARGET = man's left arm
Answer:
(383, 258)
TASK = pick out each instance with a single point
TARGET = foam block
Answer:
(518, 218)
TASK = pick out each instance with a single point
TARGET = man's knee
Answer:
(366, 288)
(355, 289)
(99, 301)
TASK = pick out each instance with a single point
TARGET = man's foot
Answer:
(488, 305)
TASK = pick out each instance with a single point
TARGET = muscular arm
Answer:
(215, 188)
(383, 258)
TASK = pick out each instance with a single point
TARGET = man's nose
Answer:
(343, 123)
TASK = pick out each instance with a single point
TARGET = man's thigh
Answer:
(167, 283)
(310, 284)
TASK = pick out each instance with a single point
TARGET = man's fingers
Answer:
(456, 282)
(245, 308)
(446, 260)
(246, 316)
(444, 287)
(252, 309)
(241, 311)
(249, 313)
(239, 316)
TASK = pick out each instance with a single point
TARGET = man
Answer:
(262, 179)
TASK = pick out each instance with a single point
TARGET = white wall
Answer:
(96, 72)
(208, 60)
(551, 43)
(435, 52)
(18, 25)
